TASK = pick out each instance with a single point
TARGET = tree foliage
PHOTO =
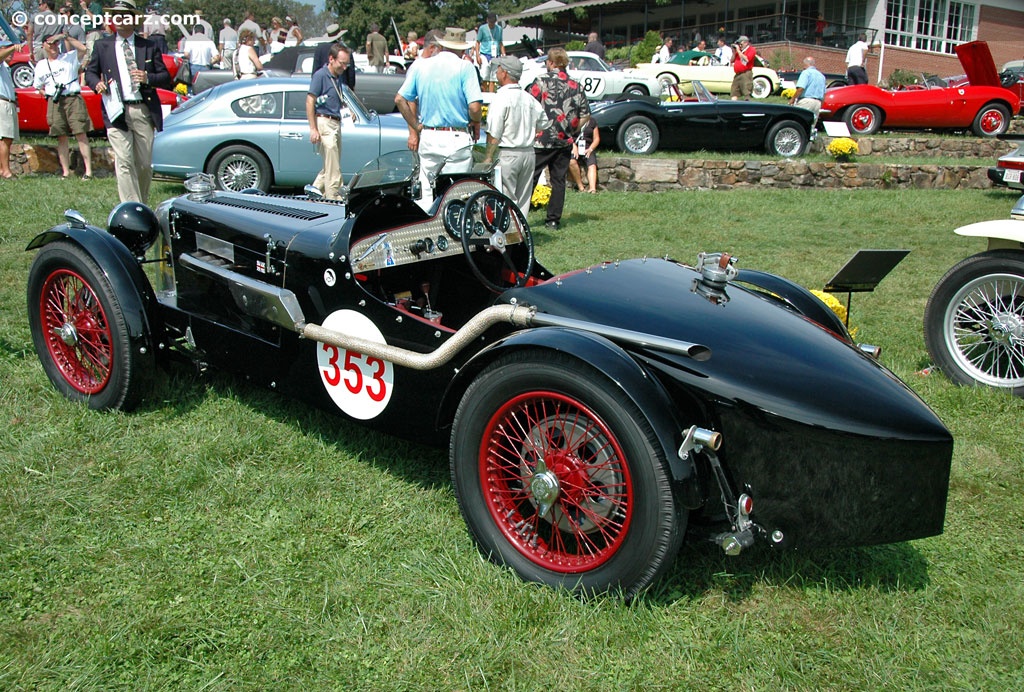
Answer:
(214, 11)
(415, 15)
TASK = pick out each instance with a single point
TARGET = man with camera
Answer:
(56, 77)
(743, 70)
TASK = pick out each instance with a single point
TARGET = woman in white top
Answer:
(247, 63)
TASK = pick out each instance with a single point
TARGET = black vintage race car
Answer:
(642, 125)
(593, 418)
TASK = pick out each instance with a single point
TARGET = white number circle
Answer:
(359, 385)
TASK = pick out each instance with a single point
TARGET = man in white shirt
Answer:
(200, 50)
(664, 53)
(56, 77)
(251, 25)
(724, 52)
(857, 61)
(514, 119)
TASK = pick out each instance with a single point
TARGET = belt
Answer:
(68, 96)
(134, 102)
(329, 117)
(4, 98)
(446, 129)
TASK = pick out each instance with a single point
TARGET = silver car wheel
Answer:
(22, 75)
(983, 330)
(238, 173)
(788, 142)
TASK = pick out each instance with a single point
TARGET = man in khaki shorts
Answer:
(56, 77)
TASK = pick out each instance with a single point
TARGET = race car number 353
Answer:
(359, 385)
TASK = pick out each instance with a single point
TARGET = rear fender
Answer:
(636, 382)
(797, 297)
(126, 277)
(1002, 234)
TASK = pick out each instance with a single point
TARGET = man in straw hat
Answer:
(441, 103)
(323, 52)
(514, 119)
(131, 67)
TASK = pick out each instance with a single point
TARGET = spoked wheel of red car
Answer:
(560, 477)
(863, 119)
(992, 120)
(79, 330)
(974, 321)
(493, 223)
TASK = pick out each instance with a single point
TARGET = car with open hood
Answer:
(984, 106)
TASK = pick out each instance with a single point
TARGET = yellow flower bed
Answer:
(181, 89)
(835, 306)
(788, 93)
(541, 196)
(842, 147)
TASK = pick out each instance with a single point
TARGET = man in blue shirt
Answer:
(489, 45)
(442, 105)
(324, 110)
(810, 88)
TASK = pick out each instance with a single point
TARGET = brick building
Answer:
(914, 35)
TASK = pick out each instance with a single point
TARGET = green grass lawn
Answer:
(225, 538)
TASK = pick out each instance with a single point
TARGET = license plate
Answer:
(1011, 176)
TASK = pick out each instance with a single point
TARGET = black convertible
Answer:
(641, 125)
(593, 418)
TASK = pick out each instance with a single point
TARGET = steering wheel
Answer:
(489, 218)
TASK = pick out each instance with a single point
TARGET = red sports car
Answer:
(985, 105)
(32, 108)
(22, 70)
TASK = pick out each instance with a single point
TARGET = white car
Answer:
(706, 70)
(1009, 169)
(599, 79)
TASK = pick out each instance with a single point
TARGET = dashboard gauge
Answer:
(442, 243)
(453, 217)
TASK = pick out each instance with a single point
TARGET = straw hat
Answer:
(455, 39)
(334, 32)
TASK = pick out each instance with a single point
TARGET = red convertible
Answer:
(22, 70)
(32, 108)
(984, 106)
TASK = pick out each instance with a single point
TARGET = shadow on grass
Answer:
(701, 568)
(182, 390)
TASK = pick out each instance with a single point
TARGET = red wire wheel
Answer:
(555, 481)
(80, 332)
(76, 331)
(559, 473)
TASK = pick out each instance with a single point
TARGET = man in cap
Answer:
(514, 119)
(132, 67)
(743, 70)
(323, 52)
(441, 103)
(568, 110)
